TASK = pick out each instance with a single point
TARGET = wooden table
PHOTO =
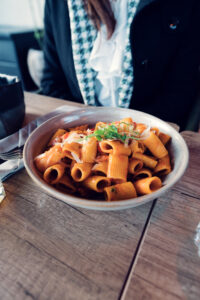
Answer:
(51, 250)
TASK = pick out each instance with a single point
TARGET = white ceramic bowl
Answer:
(40, 136)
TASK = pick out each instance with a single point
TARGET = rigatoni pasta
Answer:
(66, 184)
(155, 145)
(148, 185)
(164, 166)
(142, 173)
(54, 173)
(120, 191)
(101, 168)
(89, 150)
(147, 160)
(97, 183)
(117, 167)
(111, 161)
(134, 165)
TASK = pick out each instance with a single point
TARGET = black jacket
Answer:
(165, 42)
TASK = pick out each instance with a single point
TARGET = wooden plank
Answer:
(168, 266)
(37, 105)
(50, 250)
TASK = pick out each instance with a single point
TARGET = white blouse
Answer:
(107, 55)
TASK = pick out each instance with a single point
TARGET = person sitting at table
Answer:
(139, 54)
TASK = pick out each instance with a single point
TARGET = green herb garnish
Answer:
(110, 132)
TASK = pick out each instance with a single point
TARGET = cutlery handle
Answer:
(10, 167)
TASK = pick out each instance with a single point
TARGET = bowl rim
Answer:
(102, 204)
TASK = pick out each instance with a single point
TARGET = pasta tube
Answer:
(128, 120)
(101, 167)
(163, 167)
(79, 129)
(154, 144)
(97, 183)
(54, 173)
(89, 150)
(165, 138)
(134, 165)
(99, 125)
(117, 167)
(120, 191)
(148, 161)
(49, 158)
(137, 147)
(65, 183)
(72, 149)
(140, 127)
(155, 130)
(57, 134)
(148, 185)
(114, 147)
(80, 171)
(143, 173)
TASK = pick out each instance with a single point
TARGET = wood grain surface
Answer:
(50, 250)
(37, 105)
(168, 265)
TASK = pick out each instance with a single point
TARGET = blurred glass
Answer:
(197, 238)
(2, 192)
(12, 107)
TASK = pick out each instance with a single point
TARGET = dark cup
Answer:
(12, 107)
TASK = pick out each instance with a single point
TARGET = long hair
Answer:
(100, 12)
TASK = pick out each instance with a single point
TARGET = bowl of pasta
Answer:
(104, 159)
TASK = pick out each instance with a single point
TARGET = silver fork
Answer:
(12, 154)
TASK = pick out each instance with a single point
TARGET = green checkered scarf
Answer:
(83, 35)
